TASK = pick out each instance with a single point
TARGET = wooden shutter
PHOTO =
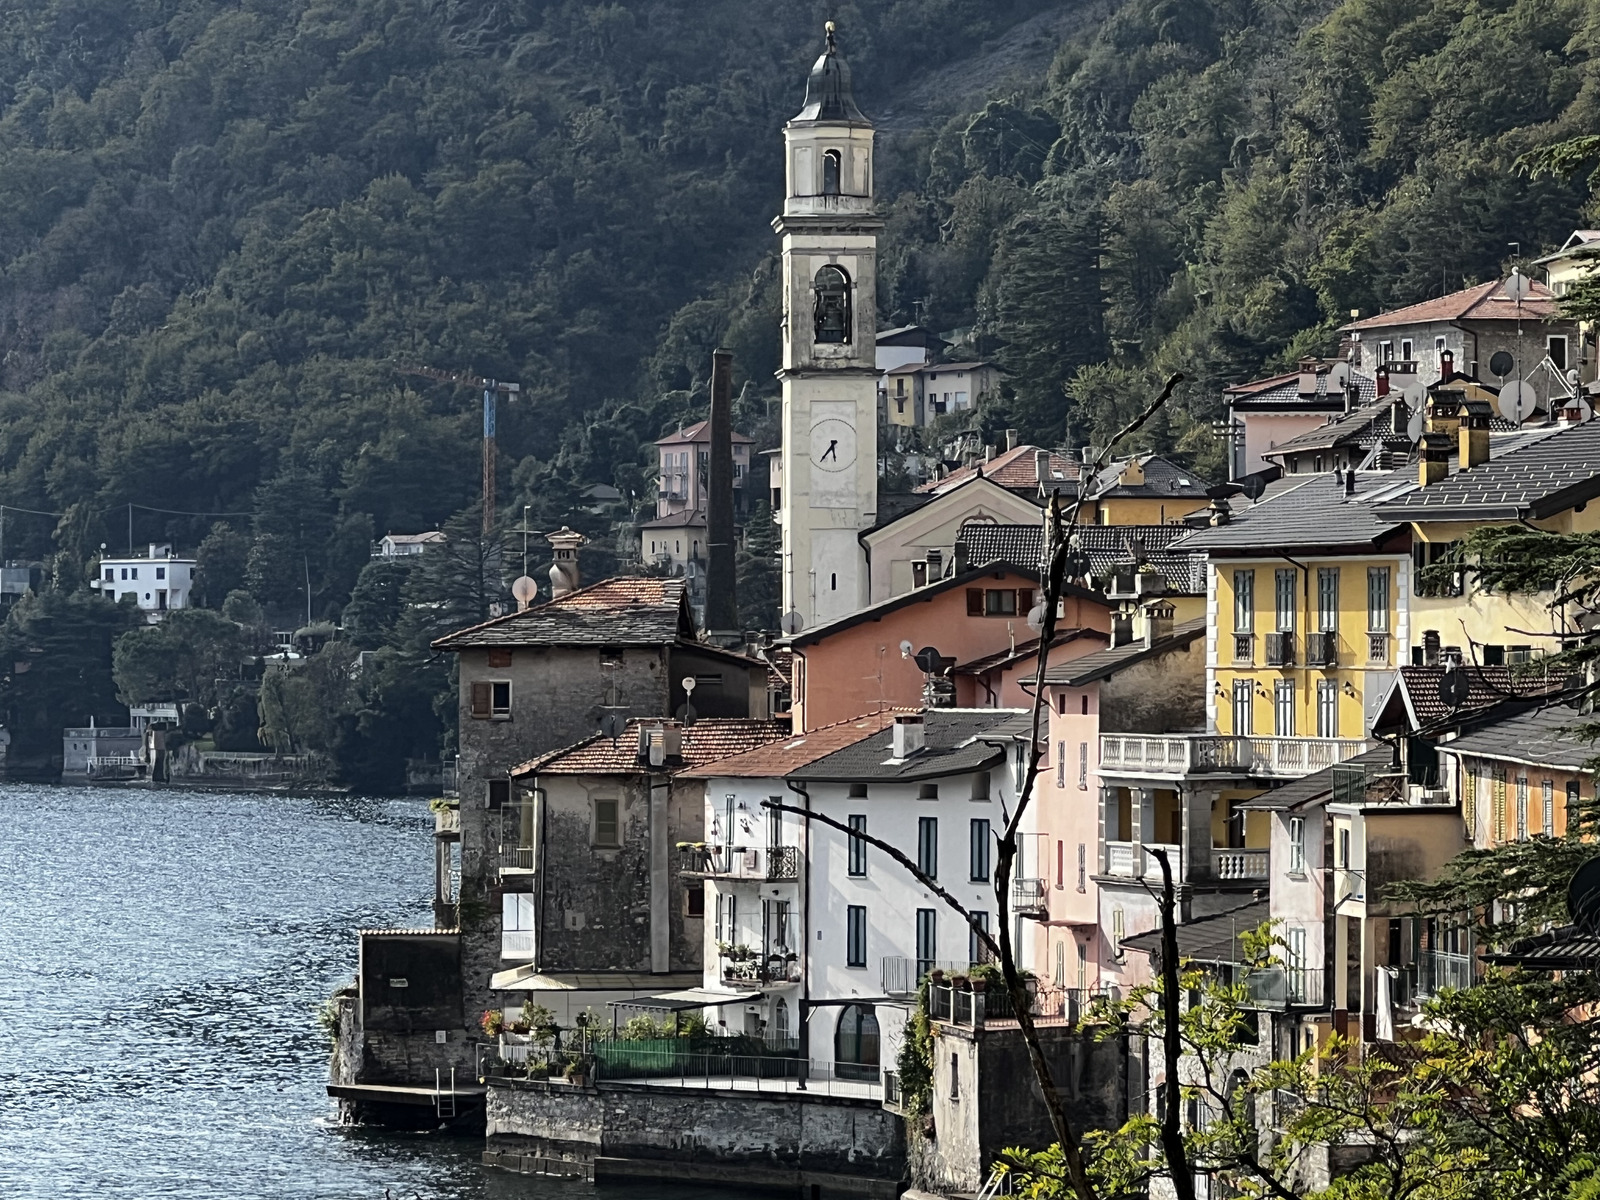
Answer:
(1024, 601)
(500, 656)
(974, 602)
(480, 700)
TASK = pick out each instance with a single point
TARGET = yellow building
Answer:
(1144, 490)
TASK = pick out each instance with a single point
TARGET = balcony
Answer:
(1231, 864)
(1378, 648)
(1133, 860)
(1028, 898)
(1280, 649)
(773, 968)
(1244, 648)
(517, 943)
(774, 864)
(517, 860)
(447, 823)
(1200, 753)
(1278, 988)
(1322, 649)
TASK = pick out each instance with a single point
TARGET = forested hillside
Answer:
(227, 228)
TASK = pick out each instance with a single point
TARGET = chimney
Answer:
(722, 602)
(644, 744)
(1349, 481)
(1571, 411)
(1447, 366)
(988, 453)
(1473, 434)
(908, 735)
(1430, 647)
(1382, 379)
(1011, 439)
(1434, 463)
(564, 574)
(960, 562)
(1444, 414)
(1041, 467)
(935, 565)
(1157, 623)
(672, 741)
(1352, 396)
(1308, 379)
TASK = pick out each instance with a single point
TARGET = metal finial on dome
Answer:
(827, 28)
(828, 93)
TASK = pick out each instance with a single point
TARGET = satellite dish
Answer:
(1583, 896)
(1414, 394)
(1572, 379)
(1517, 401)
(614, 723)
(1453, 688)
(1414, 425)
(525, 590)
(905, 649)
(928, 659)
(1517, 287)
(687, 714)
(1036, 616)
(1338, 375)
(1586, 409)
(1501, 362)
(793, 623)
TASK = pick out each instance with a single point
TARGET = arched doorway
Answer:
(855, 1043)
(780, 1020)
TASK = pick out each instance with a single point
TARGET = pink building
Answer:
(685, 460)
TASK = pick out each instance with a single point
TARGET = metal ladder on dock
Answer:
(998, 1184)
(444, 1103)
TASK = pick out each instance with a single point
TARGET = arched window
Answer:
(855, 1043)
(780, 1019)
(832, 291)
(830, 173)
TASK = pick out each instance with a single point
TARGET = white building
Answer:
(155, 583)
(817, 937)
(404, 545)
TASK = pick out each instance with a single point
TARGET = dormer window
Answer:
(832, 292)
(830, 173)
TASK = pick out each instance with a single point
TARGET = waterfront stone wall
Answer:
(622, 1130)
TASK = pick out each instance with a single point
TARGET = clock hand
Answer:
(831, 451)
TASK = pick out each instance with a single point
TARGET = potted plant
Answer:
(492, 1022)
(575, 1074)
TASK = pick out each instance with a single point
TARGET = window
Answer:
(830, 172)
(111, 575)
(1438, 344)
(1425, 555)
(1283, 590)
(519, 922)
(124, 572)
(606, 827)
(161, 572)
(1572, 799)
(1556, 348)
(1283, 708)
(1522, 808)
(1327, 708)
(1548, 825)
(1059, 978)
(1385, 352)
(1061, 864)
(1061, 764)
(1061, 703)
(980, 785)
(1344, 849)
(1244, 601)
(1498, 812)
(499, 656)
(1118, 931)
(1084, 705)
(977, 952)
(855, 935)
(928, 791)
(979, 853)
(1083, 968)
(1083, 867)
(1327, 599)
(1000, 602)
(858, 848)
(780, 1019)
(955, 1075)
(695, 901)
(855, 1043)
(499, 795)
(1244, 703)
(927, 940)
(133, 573)
(1378, 599)
(1297, 845)
(928, 846)
(1083, 766)
(831, 295)
(1405, 350)
(1469, 797)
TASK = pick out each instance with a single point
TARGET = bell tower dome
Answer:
(829, 232)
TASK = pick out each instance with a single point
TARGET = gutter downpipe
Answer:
(541, 815)
(803, 1016)
(1305, 572)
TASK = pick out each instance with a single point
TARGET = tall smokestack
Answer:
(722, 600)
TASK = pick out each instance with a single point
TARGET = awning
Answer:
(688, 998)
(528, 978)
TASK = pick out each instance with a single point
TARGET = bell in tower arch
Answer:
(832, 292)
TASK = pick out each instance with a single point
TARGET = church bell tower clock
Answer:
(829, 460)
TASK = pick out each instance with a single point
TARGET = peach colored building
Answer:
(859, 663)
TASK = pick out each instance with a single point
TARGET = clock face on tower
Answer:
(833, 445)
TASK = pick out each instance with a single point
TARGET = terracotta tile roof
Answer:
(1013, 470)
(779, 758)
(688, 518)
(698, 433)
(1486, 688)
(621, 611)
(1482, 302)
(708, 740)
(780, 663)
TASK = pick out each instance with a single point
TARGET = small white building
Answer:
(809, 929)
(405, 545)
(156, 582)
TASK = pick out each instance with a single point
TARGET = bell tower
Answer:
(829, 460)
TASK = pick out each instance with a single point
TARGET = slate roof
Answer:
(1014, 470)
(708, 740)
(1297, 793)
(873, 612)
(950, 749)
(1107, 546)
(1023, 650)
(1103, 664)
(1282, 393)
(698, 432)
(688, 518)
(778, 759)
(1214, 939)
(1163, 478)
(1544, 476)
(1481, 302)
(623, 611)
(1365, 425)
(1307, 510)
(1542, 737)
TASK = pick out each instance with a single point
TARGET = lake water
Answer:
(162, 958)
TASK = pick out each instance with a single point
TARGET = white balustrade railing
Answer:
(1132, 860)
(1239, 864)
(517, 943)
(1187, 754)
